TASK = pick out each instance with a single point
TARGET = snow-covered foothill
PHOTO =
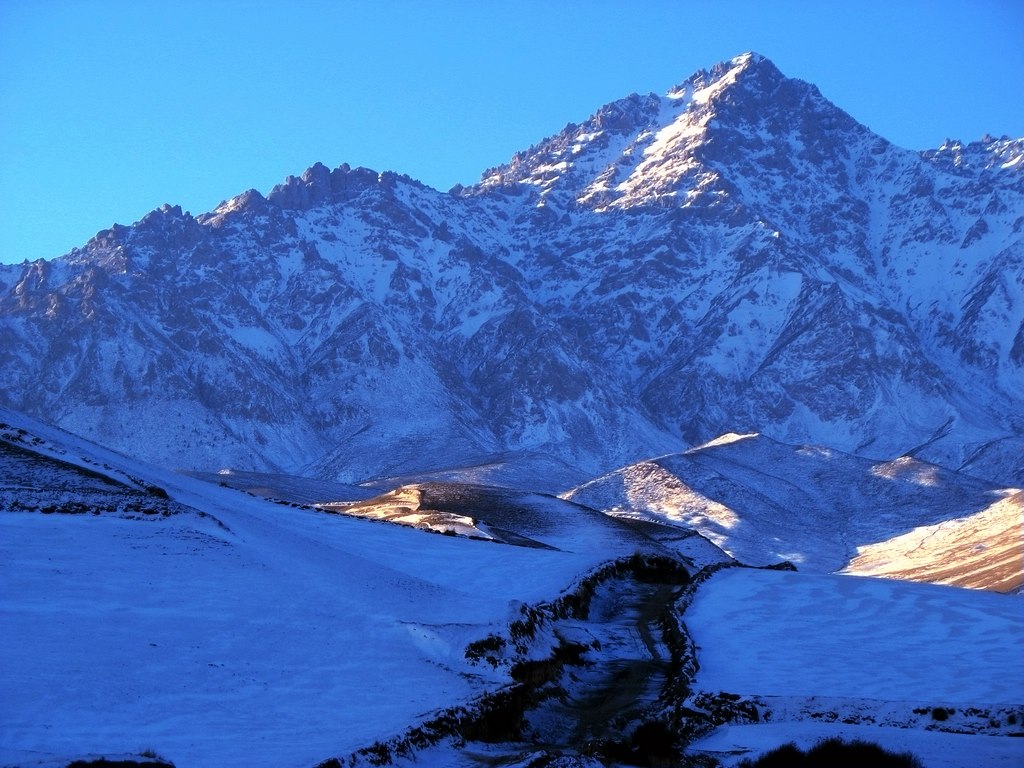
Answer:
(763, 502)
(243, 631)
(984, 550)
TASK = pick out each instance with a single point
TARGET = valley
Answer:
(564, 634)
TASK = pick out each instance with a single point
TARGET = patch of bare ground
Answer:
(984, 550)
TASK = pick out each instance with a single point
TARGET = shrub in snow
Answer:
(786, 756)
(490, 648)
(149, 759)
(833, 752)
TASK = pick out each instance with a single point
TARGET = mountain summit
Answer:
(645, 150)
(738, 254)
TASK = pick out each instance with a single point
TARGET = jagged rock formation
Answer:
(738, 254)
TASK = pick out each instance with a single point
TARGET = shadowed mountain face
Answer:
(737, 255)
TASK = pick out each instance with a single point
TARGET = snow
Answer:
(260, 340)
(810, 648)
(726, 439)
(178, 638)
(260, 634)
(782, 633)
(270, 635)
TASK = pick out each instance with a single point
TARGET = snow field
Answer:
(281, 638)
(788, 633)
(879, 648)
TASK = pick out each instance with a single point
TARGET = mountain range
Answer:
(737, 255)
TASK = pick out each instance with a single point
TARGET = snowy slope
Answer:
(822, 656)
(735, 255)
(764, 502)
(241, 631)
(233, 629)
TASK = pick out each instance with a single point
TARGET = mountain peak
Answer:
(658, 150)
(749, 60)
(745, 62)
(747, 69)
(751, 57)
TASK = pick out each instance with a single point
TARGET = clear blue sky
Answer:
(110, 108)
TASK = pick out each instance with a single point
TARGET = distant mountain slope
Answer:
(984, 550)
(737, 255)
(762, 501)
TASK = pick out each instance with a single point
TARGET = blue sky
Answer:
(109, 109)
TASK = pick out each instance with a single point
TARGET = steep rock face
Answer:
(738, 254)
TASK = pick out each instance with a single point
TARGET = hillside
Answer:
(239, 630)
(213, 626)
(764, 502)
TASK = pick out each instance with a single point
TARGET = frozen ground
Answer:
(807, 649)
(226, 629)
(259, 634)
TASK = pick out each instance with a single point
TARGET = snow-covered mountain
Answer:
(736, 255)
(826, 511)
